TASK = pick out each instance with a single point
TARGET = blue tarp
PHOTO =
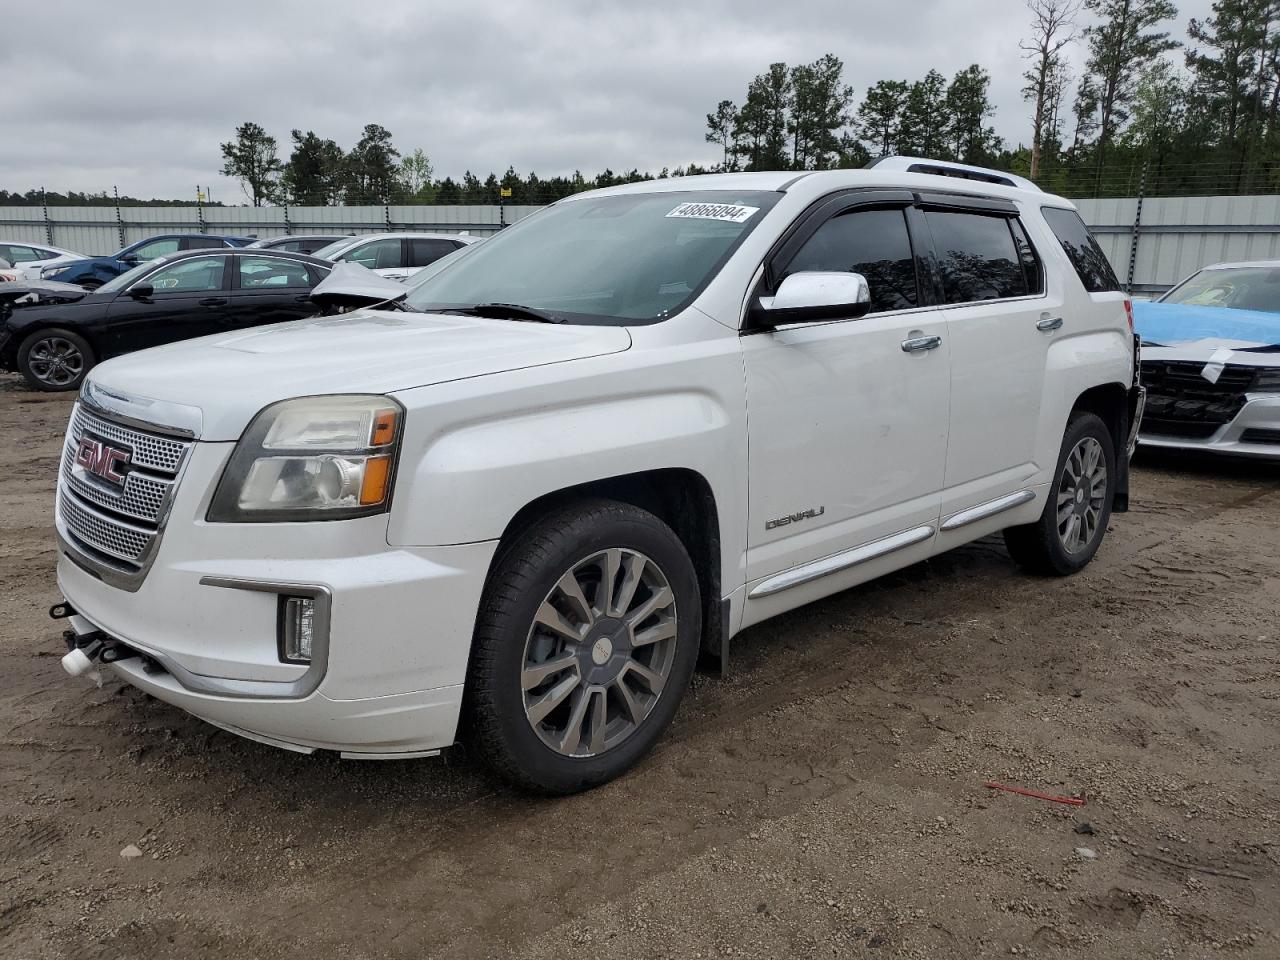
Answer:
(1173, 323)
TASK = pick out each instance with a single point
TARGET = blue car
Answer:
(1211, 362)
(95, 271)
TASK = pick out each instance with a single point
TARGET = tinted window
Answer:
(267, 273)
(378, 255)
(874, 243)
(189, 276)
(155, 248)
(1082, 250)
(977, 257)
(200, 243)
(427, 250)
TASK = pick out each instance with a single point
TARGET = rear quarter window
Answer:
(1082, 249)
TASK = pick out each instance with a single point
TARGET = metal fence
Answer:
(1152, 242)
(101, 230)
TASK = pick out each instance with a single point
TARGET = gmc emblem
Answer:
(101, 460)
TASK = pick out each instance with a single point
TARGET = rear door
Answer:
(386, 256)
(1000, 322)
(186, 301)
(267, 289)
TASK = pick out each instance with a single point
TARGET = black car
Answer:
(54, 333)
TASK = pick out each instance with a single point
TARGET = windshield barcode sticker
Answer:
(729, 212)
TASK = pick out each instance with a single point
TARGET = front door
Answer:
(186, 301)
(847, 420)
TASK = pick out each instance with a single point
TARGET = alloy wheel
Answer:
(1082, 491)
(55, 361)
(599, 652)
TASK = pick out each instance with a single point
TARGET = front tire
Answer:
(55, 359)
(1078, 507)
(584, 646)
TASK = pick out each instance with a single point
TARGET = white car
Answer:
(397, 256)
(26, 260)
(519, 501)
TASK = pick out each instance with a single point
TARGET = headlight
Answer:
(1266, 381)
(315, 458)
(48, 273)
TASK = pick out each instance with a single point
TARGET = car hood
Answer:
(1177, 324)
(229, 378)
(41, 291)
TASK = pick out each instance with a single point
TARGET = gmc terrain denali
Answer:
(514, 506)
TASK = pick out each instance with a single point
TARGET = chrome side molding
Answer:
(988, 509)
(826, 566)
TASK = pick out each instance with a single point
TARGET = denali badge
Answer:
(795, 517)
(101, 460)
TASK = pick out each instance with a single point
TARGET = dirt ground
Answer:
(826, 800)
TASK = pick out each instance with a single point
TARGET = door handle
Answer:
(1049, 323)
(213, 302)
(303, 297)
(920, 344)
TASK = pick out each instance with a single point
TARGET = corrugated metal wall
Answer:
(1179, 235)
(96, 231)
(1176, 235)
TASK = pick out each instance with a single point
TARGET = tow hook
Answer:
(84, 649)
(60, 611)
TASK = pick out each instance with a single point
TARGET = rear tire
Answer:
(570, 686)
(55, 359)
(1078, 506)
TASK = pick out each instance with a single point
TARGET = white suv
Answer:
(519, 503)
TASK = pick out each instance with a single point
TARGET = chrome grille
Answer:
(141, 497)
(105, 533)
(118, 526)
(151, 452)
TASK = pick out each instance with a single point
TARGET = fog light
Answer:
(297, 620)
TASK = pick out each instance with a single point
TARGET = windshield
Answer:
(335, 248)
(627, 259)
(126, 278)
(1241, 288)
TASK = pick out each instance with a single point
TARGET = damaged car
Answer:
(1211, 361)
(54, 333)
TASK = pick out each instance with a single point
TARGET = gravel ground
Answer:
(825, 800)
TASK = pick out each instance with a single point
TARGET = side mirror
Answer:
(809, 296)
(140, 291)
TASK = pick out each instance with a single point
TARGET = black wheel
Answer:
(585, 643)
(1076, 512)
(55, 359)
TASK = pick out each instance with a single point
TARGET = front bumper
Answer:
(1253, 432)
(206, 616)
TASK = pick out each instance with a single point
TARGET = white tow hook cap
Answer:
(77, 663)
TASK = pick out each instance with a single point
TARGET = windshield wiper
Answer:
(514, 311)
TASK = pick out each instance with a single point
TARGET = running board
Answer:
(815, 570)
(988, 509)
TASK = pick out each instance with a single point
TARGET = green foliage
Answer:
(315, 174)
(251, 159)
(415, 178)
(373, 168)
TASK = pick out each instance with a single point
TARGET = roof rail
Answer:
(948, 168)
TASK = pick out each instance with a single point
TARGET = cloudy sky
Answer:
(140, 94)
